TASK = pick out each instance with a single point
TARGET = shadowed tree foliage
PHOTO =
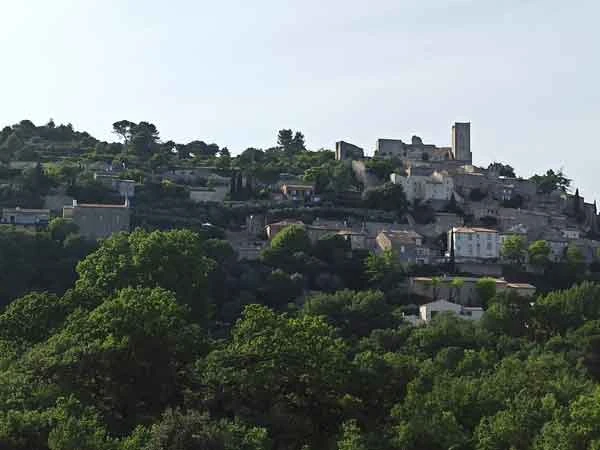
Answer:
(173, 260)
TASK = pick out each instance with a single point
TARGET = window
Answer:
(489, 246)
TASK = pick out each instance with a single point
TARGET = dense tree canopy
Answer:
(172, 260)
(166, 340)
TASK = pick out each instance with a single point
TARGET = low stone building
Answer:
(126, 188)
(187, 175)
(25, 218)
(298, 191)
(359, 240)
(429, 310)
(98, 221)
(407, 245)
(425, 187)
(209, 194)
(463, 291)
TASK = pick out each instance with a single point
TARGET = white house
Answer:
(429, 310)
(435, 186)
(474, 243)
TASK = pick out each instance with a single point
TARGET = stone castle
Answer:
(416, 152)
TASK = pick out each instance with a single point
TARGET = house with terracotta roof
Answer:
(98, 221)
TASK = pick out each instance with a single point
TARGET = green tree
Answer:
(559, 311)
(124, 128)
(77, 427)
(128, 357)
(173, 260)
(384, 271)
(354, 313)
(32, 318)
(576, 429)
(144, 137)
(193, 430)
(551, 181)
(486, 289)
(298, 142)
(509, 314)
(285, 139)
(13, 143)
(514, 249)
(284, 371)
(389, 197)
(291, 239)
(539, 253)
(457, 286)
(434, 284)
(351, 438)
(503, 170)
(574, 256)
(60, 228)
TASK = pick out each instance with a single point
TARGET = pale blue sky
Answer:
(526, 73)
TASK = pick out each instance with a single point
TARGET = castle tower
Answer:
(461, 141)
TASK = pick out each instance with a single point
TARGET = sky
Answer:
(525, 73)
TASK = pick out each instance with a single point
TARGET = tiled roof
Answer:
(96, 205)
(299, 186)
(474, 230)
(26, 211)
(521, 285)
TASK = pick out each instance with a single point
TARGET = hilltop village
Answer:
(163, 295)
(437, 215)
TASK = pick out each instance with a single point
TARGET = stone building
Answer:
(346, 151)
(126, 188)
(407, 245)
(358, 240)
(465, 293)
(298, 191)
(425, 187)
(25, 218)
(187, 175)
(474, 243)
(429, 310)
(209, 194)
(417, 151)
(98, 221)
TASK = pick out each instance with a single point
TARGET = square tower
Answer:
(461, 141)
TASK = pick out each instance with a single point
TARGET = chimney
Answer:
(74, 202)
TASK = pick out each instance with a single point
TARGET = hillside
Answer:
(158, 295)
